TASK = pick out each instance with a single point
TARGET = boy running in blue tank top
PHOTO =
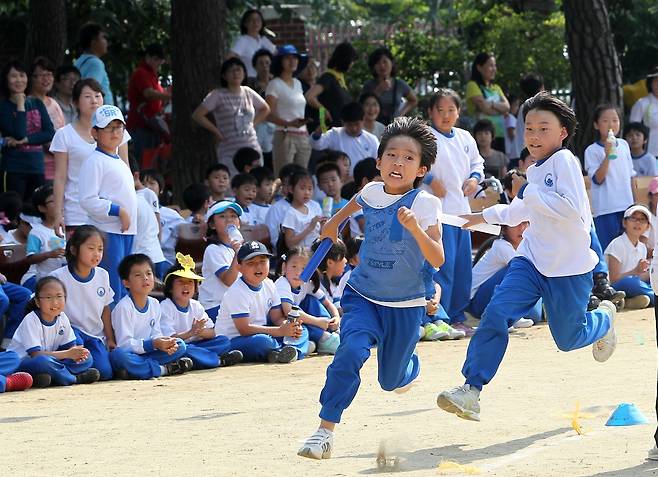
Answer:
(554, 260)
(384, 300)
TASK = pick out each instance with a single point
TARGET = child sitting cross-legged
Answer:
(184, 317)
(143, 351)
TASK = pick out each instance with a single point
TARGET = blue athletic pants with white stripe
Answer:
(147, 365)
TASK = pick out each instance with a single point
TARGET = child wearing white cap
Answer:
(107, 192)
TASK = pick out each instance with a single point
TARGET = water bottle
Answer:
(233, 233)
(327, 206)
(293, 317)
(612, 140)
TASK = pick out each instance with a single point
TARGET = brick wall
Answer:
(290, 31)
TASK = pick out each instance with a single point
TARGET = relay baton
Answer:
(318, 256)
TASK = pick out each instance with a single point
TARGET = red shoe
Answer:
(18, 382)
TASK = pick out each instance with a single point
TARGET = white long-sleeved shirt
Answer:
(457, 159)
(106, 184)
(555, 203)
(356, 148)
(135, 329)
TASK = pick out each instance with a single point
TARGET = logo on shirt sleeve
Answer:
(60, 332)
(100, 291)
(548, 180)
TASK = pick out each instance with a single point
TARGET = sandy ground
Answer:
(249, 420)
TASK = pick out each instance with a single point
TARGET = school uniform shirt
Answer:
(216, 260)
(176, 320)
(86, 298)
(106, 186)
(645, 110)
(555, 203)
(259, 212)
(627, 254)
(249, 216)
(340, 289)
(78, 150)
(35, 334)
(43, 239)
(294, 296)
(151, 198)
(245, 301)
(297, 221)
(357, 148)
(355, 228)
(274, 217)
(615, 193)
(135, 329)
(457, 159)
(496, 258)
(147, 240)
(169, 222)
(645, 165)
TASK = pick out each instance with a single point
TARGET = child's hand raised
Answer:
(408, 219)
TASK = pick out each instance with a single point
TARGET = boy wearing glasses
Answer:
(627, 259)
(107, 192)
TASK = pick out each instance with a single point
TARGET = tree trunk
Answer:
(47, 30)
(197, 45)
(595, 66)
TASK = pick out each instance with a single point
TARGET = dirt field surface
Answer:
(249, 420)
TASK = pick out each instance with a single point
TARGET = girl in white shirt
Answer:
(301, 224)
(252, 39)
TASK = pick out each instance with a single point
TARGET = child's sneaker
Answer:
(523, 323)
(639, 302)
(319, 445)
(604, 347)
(462, 400)
(18, 382)
(287, 354)
(432, 333)
(234, 356)
(41, 380)
(330, 345)
(450, 332)
(88, 376)
(468, 331)
(653, 453)
(180, 366)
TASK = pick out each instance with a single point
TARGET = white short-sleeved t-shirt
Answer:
(147, 240)
(245, 46)
(625, 252)
(297, 221)
(176, 320)
(290, 103)
(169, 222)
(295, 296)
(245, 301)
(34, 334)
(496, 258)
(615, 193)
(43, 239)
(134, 328)
(274, 217)
(151, 198)
(216, 260)
(86, 298)
(68, 140)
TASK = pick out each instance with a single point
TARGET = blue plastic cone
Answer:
(626, 415)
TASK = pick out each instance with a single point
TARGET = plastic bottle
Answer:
(612, 140)
(234, 233)
(327, 206)
(293, 317)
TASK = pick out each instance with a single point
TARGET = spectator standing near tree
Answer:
(645, 111)
(94, 45)
(252, 39)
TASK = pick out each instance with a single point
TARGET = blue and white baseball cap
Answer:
(221, 206)
(105, 115)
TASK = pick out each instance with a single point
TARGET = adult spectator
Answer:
(485, 99)
(391, 91)
(236, 109)
(330, 90)
(94, 45)
(252, 39)
(65, 78)
(285, 97)
(262, 61)
(72, 145)
(146, 97)
(25, 127)
(645, 111)
(307, 74)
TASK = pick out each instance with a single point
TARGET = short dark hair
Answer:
(445, 93)
(43, 63)
(342, 57)
(40, 196)
(11, 203)
(367, 95)
(4, 84)
(639, 127)
(245, 156)
(170, 279)
(544, 101)
(226, 65)
(247, 14)
(353, 245)
(479, 60)
(261, 174)
(259, 53)
(88, 32)
(417, 130)
(601, 108)
(523, 155)
(290, 170)
(241, 179)
(154, 174)
(484, 125)
(531, 84)
(129, 261)
(351, 112)
(326, 167)
(64, 70)
(336, 252)
(217, 167)
(80, 236)
(377, 55)
(81, 83)
(365, 169)
(195, 195)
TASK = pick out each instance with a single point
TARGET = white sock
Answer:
(163, 371)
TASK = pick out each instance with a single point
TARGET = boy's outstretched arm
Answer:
(428, 240)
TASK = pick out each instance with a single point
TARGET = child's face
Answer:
(609, 119)
(152, 184)
(218, 182)
(335, 268)
(182, 290)
(399, 164)
(293, 268)
(140, 280)
(543, 133)
(245, 194)
(51, 299)
(302, 193)
(371, 108)
(49, 210)
(636, 140)
(90, 252)
(636, 225)
(525, 163)
(110, 137)
(483, 139)
(265, 192)
(353, 128)
(514, 234)
(255, 270)
(330, 183)
(344, 164)
(222, 220)
(444, 114)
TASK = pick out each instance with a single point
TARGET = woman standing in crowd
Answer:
(252, 39)
(485, 99)
(645, 111)
(236, 109)
(396, 98)
(261, 61)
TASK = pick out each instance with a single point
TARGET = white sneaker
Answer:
(330, 345)
(523, 323)
(446, 329)
(653, 453)
(319, 445)
(462, 400)
(604, 347)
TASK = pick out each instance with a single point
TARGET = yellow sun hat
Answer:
(188, 265)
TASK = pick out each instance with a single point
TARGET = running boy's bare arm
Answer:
(428, 240)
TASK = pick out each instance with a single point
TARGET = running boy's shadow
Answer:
(645, 469)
